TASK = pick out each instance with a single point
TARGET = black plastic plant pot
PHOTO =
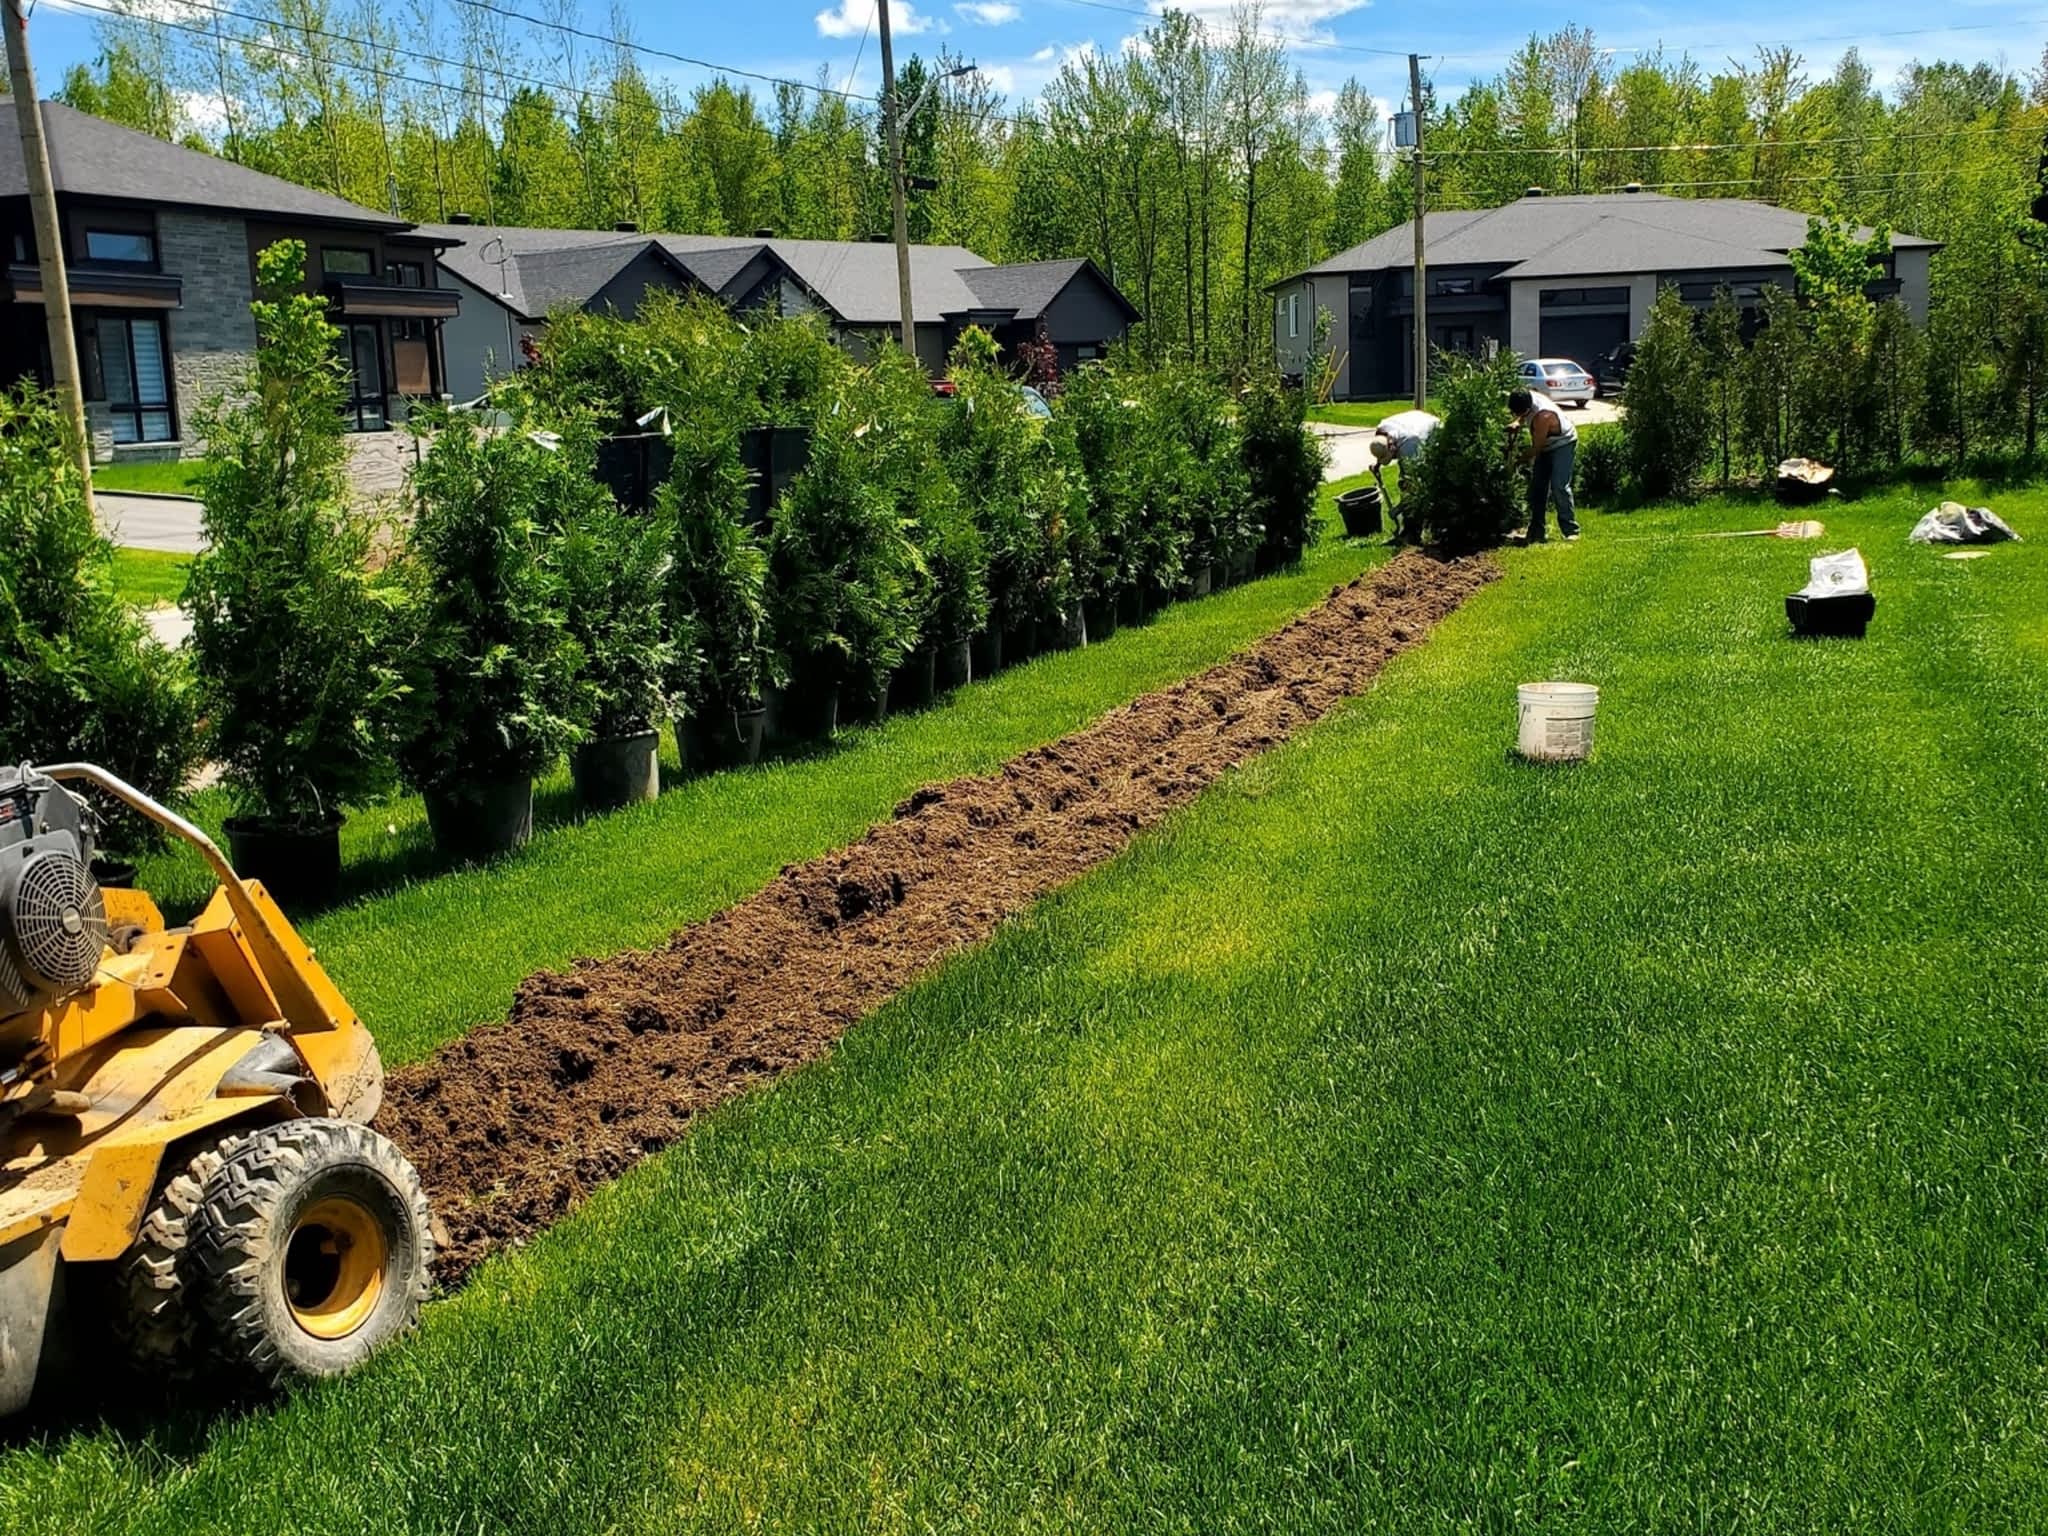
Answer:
(1130, 606)
(1844, 617)
(1069, 632)
(953, 665)
(483, 819)
(1199, 582)
(986, 650)
(916, 682)
(804, 711)
(299, 864)
(1020, 642)
(721, 738)
(1102, 618)
(617, 771)
(1240, 568)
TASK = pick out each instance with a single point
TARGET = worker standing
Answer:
(1550, 452)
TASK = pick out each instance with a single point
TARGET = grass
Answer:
(150, 578)
(172, 477)
(1404, 1137)
(1359, 413)
(598, 886)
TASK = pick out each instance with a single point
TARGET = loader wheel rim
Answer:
(334, 1267)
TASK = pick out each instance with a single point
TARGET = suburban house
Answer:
(1547, 277)
(511, 279)
(160, 246)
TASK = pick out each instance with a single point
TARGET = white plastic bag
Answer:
(1840, 575)
(1954, 523)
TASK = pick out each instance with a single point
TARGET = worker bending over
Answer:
(1398, 440)
(1550, 452)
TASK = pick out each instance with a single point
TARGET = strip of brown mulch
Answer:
(600, 1065)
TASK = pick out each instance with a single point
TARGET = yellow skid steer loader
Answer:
(186, 1162)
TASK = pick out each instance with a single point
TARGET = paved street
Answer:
(150, 522)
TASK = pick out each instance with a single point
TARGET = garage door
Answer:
(1585, 339)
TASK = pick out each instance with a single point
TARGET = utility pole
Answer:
(1421, 258)
(893, 133)
(42, 200)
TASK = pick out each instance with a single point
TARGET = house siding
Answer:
(212, 333)
(481, 342)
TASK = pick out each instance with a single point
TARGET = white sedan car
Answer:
(1561, 379)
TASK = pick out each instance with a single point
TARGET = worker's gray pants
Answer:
(1550, 479)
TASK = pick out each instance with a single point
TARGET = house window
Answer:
(135, 374)
(1293, 315)
(1566, 298)
(346, 261)
(405, 274)
(21, 251)
(130, 247)
(1450, 286)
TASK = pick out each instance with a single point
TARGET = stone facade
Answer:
(212, 334)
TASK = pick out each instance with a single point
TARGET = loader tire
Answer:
(314, 1248)
(155, 1318)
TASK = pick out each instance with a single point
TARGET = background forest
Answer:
(1194, 165)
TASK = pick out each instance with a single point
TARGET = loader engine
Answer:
(53, 923)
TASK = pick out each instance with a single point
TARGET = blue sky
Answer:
(1019, 43)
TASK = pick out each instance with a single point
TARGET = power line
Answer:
(1329, 44)
(2031, 129)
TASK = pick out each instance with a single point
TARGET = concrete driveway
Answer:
(1347, 445)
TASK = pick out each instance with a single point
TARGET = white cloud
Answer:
(1001, 76)
(204, 111)
(990, 13)
(1304, 21)
(852, 18)
(1045, 55)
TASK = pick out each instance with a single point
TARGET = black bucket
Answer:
(986, 652)
(1069, 632)
(1360, 510)
(1102, 619)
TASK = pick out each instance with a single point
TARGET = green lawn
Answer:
(172, 478)
(425, 954)
(150, 578)
(1402, 1138)
(1359, 413)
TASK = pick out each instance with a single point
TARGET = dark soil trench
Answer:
(603, 1064)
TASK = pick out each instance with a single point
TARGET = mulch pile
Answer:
(603, 1064)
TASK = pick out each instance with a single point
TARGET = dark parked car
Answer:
(1612, 370)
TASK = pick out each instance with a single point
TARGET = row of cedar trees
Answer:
(1830, 374)
(1196, 168)
(517, 610)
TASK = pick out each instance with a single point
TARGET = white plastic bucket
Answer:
(1557, 721)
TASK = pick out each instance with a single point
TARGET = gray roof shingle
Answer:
(90, 156)
(1597, 234)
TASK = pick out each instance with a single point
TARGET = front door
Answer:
(366, 377)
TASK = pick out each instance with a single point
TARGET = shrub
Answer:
(1667, 431)
(1117, 456)
(1023, 489)
(1462, 491)
(716, 602)
(901, 443)
(1602, 466)
(81, 677)
(498, 689)
(615, 570)
(1284, 462)
(293, 638)
(842, 573)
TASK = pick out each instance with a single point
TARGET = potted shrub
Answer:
(841, 583)
(292, 633)
(81, 676)
(498, 674)
(1282, 461)
(615, 573)
(1464, 493)
(717, 607)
